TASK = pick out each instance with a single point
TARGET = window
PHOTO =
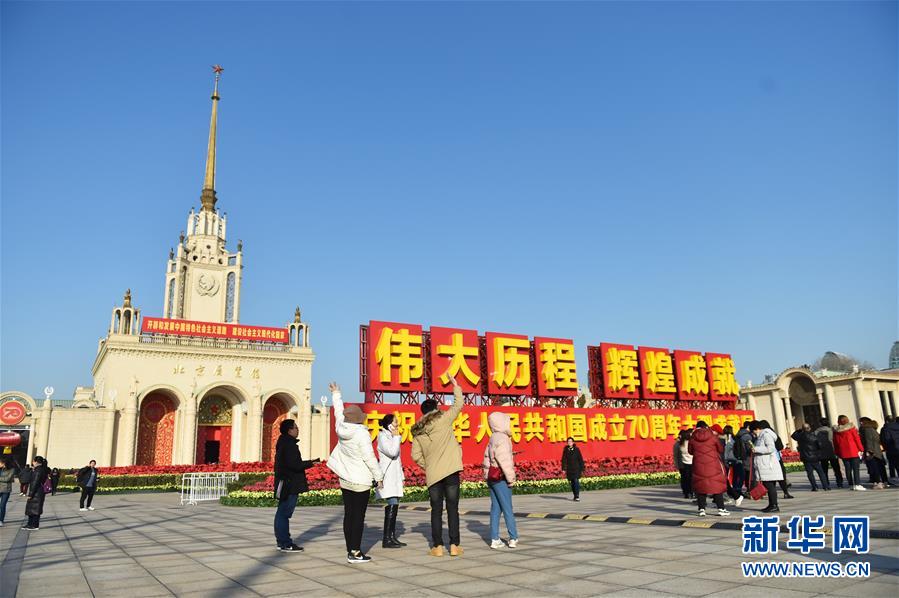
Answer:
(229, 297)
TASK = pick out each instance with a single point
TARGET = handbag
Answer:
(758, 491)
(494, 473)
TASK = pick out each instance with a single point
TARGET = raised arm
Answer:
(337, 402)
(458, 402)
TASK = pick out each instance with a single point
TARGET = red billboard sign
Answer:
(508, 364)
(556, 369)
(540, 433)
(395, 358)
(214, 330)
(692, 378)
(722, 377)
(455, 352)
(620, 371)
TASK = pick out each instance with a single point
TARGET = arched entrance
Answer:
(274, 412)
(803, 403)
(156, 429)
(214, 430)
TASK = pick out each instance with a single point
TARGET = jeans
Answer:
(354, 506)
(282, 520)
(87, 493)
(501, 500)
(812, 467)
(4, 498)
(393, 500)
(448, 489)
(686, 480)
(718, 498)
(852, 474)
(575, 486)
(837, 474)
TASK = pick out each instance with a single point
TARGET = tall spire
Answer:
(207, 197)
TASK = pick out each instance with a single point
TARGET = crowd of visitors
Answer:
(36, 482)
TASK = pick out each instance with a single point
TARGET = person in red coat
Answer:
(848, 446)
(708, 468)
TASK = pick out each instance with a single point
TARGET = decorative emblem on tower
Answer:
(207, 284)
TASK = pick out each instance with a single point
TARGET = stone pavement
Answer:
(148, 545)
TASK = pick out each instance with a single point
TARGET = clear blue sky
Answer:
(712, 176)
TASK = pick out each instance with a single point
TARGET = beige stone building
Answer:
(798, 395)
(193, 386)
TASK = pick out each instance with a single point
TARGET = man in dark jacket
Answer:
(87, 478)
(810, 455)
(573, 466)
(290, 481)
(34, 506)
(889, 438)
(825, 450)
(745, 437)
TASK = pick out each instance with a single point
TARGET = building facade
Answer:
(798, 395)
(193, 386)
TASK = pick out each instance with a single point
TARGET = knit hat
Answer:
(717, 429)
(353, 414)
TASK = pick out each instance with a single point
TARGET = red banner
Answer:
(214, 330)
(454, 351)
(395, 357)
(692, 380)
(508, 364)
(541, 433)
(556, 369)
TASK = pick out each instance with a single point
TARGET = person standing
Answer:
(37, 490)
(708, 468)
(87, 478)
(810, 455)
(848, 446)
(290, 482)
(25, 475)
(874, 453)
(733, 463)
(828, 457)
(499, 471)
(54, 480)
(683, 460)
(889, 438)
(436, 450)
(573, 466)
(745, 437)
(766, 468)
(392, 468)
(7, 473)
(354, 462)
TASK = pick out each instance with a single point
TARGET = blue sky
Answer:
(711, 176)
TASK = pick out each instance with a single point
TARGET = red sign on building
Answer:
(620, 371)
(692, 379)
(722, 377)
(11, 413)
(214, 330)
(556, 369)
(657, 373)
(508, 364)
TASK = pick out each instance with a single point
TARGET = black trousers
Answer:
(718, 498)
(686, 480)
(833, 463)
(771, 487)
(852, 471)
(893, 459)
(812, 467)
(354, 506)
(34, 521)
(446, 489)
(87, 493)
(878, 470)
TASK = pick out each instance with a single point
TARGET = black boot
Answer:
(387, 541)
(394, 509)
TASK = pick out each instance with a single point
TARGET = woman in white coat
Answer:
(766, 463)
(353, 460)
(392, 468)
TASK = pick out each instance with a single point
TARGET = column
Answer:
(129, 431)
(821, 406)
(254, 429)
(305, 419)
(789, 422)
(777, 408)
(831, 404)
(750, 402)
(108, 436)
(857, 398)
(43, 429)
(892, 398)
(188, 431)
(237, 432)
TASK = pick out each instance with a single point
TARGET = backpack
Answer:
(778, 443)
(739, 448)
(47, 487)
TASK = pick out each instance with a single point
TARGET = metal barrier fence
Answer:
(196, 486)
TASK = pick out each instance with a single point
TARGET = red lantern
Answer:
(10, 439)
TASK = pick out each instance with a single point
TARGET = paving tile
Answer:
(695, 587)
(631, 578)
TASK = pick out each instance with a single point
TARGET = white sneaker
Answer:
(739, 501)
(1, 524)
(702, 512)
(494, 544)
(90, 508)
(513, 543)
(82, 509)
(860, 488)
(723, 512)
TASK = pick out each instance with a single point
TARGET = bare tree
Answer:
(840, 362)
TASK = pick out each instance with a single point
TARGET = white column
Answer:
(108, 436)
(750, 402)
(254, 429)
(831, 404)
(857, 398)
(821, 407)
(237, 418)
(43, 435)
(777, 408)
(189, 431)
(129, 431)
(789, 422)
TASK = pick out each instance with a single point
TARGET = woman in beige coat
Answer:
(499, 469)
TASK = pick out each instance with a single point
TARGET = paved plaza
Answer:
(149, 545)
